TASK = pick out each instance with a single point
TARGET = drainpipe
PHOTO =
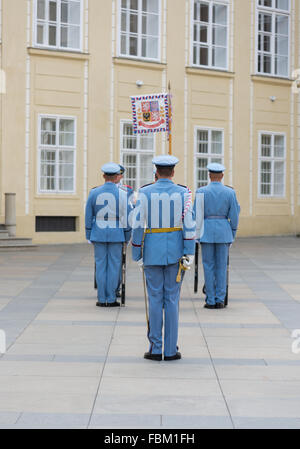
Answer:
(10, 214)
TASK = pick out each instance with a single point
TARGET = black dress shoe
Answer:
(113, 304)
(209, 306)
(156, 357)
(220, 305)
(177, 356)
(101, 304)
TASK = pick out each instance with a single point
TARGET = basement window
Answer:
(55, 224)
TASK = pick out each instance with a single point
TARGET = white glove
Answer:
(187, 261)
(89, 242)
(140, 263)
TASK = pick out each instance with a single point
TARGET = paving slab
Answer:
(63, 349)
(196, 422)
(53, 421)
(47, 394)
(42, 367)
(123, 421)
(258, 372)
(8, 418)
(201, 398)
(266, 423)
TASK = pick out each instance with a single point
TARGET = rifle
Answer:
(123, 274)
(95, 280)
(196, 267)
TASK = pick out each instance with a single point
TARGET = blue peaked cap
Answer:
(216, 168)
(111, 168)
(165, 161)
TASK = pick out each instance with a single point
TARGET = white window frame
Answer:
(272, 11)
(135, 151)
(271, 159)
(56, 148)
(209, 45)
(58, 22)
(209, 155)
(1, 21)
(139, 34)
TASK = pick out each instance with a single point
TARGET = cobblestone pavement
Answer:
(73, 365)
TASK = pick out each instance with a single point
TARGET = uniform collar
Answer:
(164, 180)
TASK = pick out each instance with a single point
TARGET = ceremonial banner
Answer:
(150, 113)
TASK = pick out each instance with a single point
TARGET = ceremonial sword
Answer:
(227, 281)
(95, 280)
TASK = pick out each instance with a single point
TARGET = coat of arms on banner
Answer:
(150, 113)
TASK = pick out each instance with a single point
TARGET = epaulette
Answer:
(150, 184)
(188, 200)
(95, 187)
(185, 187)
(229, 187)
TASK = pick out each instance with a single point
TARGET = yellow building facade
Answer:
(69, 68)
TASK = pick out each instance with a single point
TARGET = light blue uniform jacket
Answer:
(106, 214)
(221, 213)
(164, 248)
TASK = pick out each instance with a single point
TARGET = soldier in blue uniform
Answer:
(221, 216)
(163, 232)
(107, 227)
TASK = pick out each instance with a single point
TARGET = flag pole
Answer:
(170, 121)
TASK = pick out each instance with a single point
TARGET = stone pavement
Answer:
(69, 364)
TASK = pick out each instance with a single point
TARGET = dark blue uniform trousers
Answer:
(163, 296)
(108, 258)
(214, 259)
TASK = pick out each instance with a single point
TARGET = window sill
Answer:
(57, 53)
(123, 61)
(209, 71)
(57, 196)
(274, 199)
(268, 79)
